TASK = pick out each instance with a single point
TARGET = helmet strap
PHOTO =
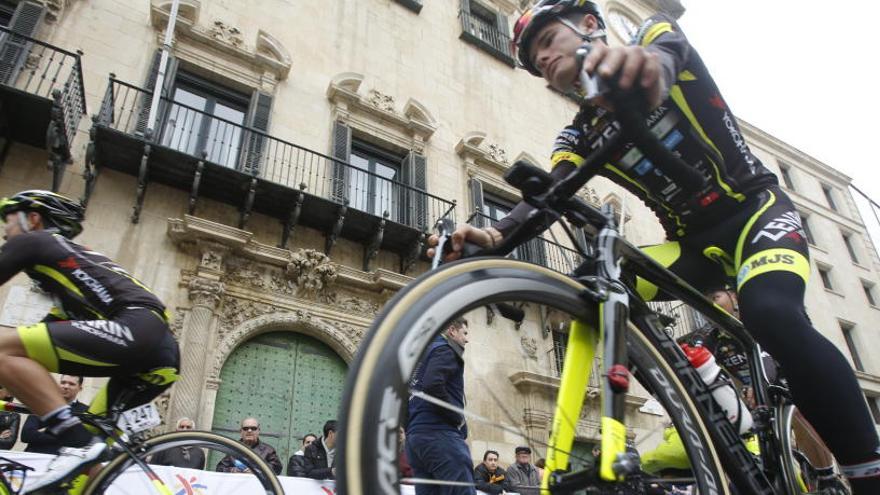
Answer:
(23, 222)
(587, 37)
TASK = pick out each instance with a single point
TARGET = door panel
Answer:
(291, 383)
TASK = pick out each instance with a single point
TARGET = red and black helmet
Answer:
(544, 11)
(57, 211)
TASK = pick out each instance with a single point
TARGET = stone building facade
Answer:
(299, 153)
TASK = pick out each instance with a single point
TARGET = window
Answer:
(7, 8)
(825, 273)
(560, 343)
(869, 292)
(847, 330)
(829, 196)
(805, 222)
(847, 239)
(872, 405)
(205, 118)
(486, 29)
(785, 173)
(371, 187)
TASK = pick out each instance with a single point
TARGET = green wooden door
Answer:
(290, 382)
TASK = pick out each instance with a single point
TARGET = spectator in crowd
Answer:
(32, 432)
(522, 474)
(9, 423)
(296, 465)
(185, 456)
(435, 444)
(406, 471)
(489, 476)
(321, 454)
(250, 436)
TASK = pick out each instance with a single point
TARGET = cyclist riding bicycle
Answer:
(738, 223)
(105, 323)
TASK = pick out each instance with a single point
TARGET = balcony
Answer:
(539, 251)
(215, 158)
(486, 35)
(41, 97)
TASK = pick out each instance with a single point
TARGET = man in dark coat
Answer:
(320, 455)
(33, 434)
(435, 435)
(250, 436)
(489, 476)
(9, 423)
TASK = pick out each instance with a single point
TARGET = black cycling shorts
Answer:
(765, 236)
(135, 348)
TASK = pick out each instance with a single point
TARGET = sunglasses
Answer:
(250, 428)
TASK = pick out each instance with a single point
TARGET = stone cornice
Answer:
(344, 92)
(189, 231)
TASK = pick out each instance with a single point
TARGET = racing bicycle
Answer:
(607, 317)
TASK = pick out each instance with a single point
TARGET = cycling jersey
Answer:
(84, 284)
(694, 122)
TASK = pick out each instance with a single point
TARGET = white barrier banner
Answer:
(183, 481)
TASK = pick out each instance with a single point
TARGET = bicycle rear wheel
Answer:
(110, 476)
(377, 387)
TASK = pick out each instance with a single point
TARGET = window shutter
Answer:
(476, 188)
(416, 202)
(258, 118)
(503, 34)
(14, 49)
(341, 151)
(149, 85)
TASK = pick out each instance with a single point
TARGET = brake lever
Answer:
(445, 227)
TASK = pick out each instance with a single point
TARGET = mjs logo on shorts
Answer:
(189, 486)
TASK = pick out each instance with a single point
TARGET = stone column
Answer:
(205, 294)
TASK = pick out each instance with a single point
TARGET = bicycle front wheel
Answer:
(377, 387)
(110, 477)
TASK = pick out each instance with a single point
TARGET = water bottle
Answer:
(722, 389)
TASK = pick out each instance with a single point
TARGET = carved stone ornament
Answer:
(236, 311)
(212, 257)
(589, 195)
(497, 153)
(311, 270)
(55, 9)
(381, 100)
(225, 33)
(530, 346)
(176, 325)
(204, 292)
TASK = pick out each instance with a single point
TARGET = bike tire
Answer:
(377, 385)
(109, 473)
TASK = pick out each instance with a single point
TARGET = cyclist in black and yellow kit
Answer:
(740, 223)
(105, 323)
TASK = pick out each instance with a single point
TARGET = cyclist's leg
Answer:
(773, 266)
(28, 379)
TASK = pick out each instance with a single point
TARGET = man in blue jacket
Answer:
(435, 435)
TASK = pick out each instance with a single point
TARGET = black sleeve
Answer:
(159, 459)
(273, 461)
(441, 364)
(482, 483)
(661, 35)
(31, 434)
(296, 466)
(18, 253)
(199, 455)
(312, 469)
(12, 424)
(225, 465)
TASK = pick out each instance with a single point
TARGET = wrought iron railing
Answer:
(40, 69)
(556, 356)
(685, 319)
(251, 151)
(540, 251)
(487, 35)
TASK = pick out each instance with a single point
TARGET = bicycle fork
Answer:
(583, 339)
